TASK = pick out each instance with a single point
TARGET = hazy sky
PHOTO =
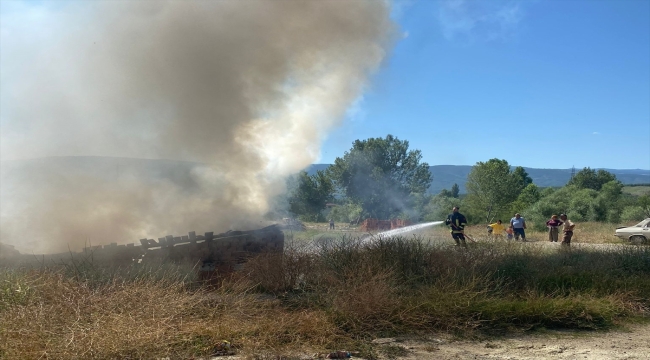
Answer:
(547, 84)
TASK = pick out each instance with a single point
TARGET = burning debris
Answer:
(293, 224)
(220, 253)
(383, 225)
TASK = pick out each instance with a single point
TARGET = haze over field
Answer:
(249, 87)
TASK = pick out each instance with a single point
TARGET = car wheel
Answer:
(638, 239)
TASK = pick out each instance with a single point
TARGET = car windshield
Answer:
(643, 223)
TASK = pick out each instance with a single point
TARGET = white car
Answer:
(637, 234)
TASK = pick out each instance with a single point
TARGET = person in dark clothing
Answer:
(456, 222)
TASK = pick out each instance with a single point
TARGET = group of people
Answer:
(553, 226)
(517, 228)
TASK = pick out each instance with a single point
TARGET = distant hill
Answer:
(178, 172)
(444, 176)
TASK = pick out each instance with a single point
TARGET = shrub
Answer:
(632, 213)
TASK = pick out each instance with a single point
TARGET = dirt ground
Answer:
(631, 343)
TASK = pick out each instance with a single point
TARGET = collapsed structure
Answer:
(219, 253)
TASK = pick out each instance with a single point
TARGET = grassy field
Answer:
(637, 190)
(328, 291)
(587, 232)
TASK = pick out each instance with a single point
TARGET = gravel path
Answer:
(633, 343)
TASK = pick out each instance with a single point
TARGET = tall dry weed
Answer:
(365, 299)
(66, 319)
(319, 297)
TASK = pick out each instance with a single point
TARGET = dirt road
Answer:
(632, 343)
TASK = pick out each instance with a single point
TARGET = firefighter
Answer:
(456, 222)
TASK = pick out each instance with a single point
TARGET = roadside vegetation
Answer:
(382, 178)
(334, 293)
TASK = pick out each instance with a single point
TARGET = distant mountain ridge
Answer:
(178, 172)
(444, 176)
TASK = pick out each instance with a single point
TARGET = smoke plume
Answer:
(250, 88)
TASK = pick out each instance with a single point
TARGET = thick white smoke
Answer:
(249, 87)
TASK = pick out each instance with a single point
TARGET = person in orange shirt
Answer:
(510, 231)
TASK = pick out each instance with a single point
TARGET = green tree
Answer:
(528, 196)
(418, 209)
(588, 178)
(310, 195)
(347, 212)
(633, 213)
(521, 178)
(644, 204)
(581, 204)
(440, 206)
(491, 188)
(445, 193)
(455, 190)
(381, 175)
(607, 205)
(552, 202)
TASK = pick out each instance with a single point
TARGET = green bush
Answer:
(632, 213)
(346, 212)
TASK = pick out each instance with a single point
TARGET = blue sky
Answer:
(540, 83)
(545, 84)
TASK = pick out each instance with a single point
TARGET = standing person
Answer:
(519, 226)
(497, 229)
(567, 230)
(553, 226)
(331, 224)
(509, 232)
(457, 221)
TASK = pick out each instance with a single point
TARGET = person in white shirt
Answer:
(567, 230)
(518, 226)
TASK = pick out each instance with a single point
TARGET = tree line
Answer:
(382, 178)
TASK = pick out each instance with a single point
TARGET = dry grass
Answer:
(63, 319)
(585, 232)
(320, 297)
(637, 190)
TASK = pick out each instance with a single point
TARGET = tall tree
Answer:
(453, 193)
(310, 195)
(644, 203)
(527, 197)
(607, 205)
(455, 190)
(381, 175)
(521, 178)
(491, 187)
(588, 178)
